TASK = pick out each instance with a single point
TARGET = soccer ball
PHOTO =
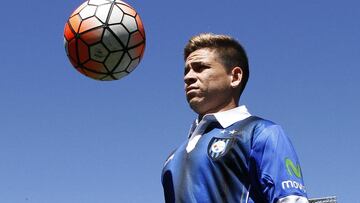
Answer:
(104, 39)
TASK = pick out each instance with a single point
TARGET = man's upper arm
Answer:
(275, 166)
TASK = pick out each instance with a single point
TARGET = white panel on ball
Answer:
(88, 11)
(98, 52)
(120, 75)
(111, 42)
(130, 23)
(102, 12)
(133, 65)
(99, 2)
(107, 78)
(113, 60)
(121, 33)
(116, 15)
(124, 63)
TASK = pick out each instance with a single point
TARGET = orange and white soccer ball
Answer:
(104, 39)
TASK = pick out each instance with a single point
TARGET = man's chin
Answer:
(194, 101)
(196, 105)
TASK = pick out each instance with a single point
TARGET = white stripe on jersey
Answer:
(247, 195)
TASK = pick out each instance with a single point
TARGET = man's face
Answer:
(207, 82)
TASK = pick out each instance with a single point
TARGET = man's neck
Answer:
(229, 106)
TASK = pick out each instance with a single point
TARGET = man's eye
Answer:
(186, 70)
(200, 68)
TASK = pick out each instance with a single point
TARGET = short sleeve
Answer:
(274, 166)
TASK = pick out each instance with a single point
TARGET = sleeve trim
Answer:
(293, 199)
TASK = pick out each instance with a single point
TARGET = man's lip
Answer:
(188, 89)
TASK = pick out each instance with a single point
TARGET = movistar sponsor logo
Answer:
(292, 169)
(289, 184)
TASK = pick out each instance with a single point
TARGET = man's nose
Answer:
(190, 77)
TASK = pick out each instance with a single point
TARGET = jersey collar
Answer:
(224, 118)
(229, 117)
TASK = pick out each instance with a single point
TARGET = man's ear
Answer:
(236, 76)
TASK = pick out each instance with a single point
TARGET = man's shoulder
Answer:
(254, 127)
(255, 122)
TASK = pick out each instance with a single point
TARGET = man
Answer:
(230, 155)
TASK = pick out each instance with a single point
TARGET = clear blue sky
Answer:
(65, 138)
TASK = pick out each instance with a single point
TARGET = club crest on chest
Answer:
(218, 147)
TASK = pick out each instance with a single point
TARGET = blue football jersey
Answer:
(250, 161)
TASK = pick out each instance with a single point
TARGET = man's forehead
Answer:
(200, 56)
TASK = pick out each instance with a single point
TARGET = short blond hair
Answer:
(229, 50)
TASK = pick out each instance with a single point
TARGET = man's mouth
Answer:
(190, 88)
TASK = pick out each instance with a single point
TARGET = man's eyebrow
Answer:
(196, 63)
(192, 64)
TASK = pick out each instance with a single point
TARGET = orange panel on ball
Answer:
(92, 36)
(135, 39)
(127, 10)
(137, 51)
(68, 32)
(93, 75)
(73, 63)
(89, 24)
(83, 51)
(81, 70)
(95, 66)
(119, 1)
(140, 25)
(75, 22)
(79, 8)
(72, 51)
